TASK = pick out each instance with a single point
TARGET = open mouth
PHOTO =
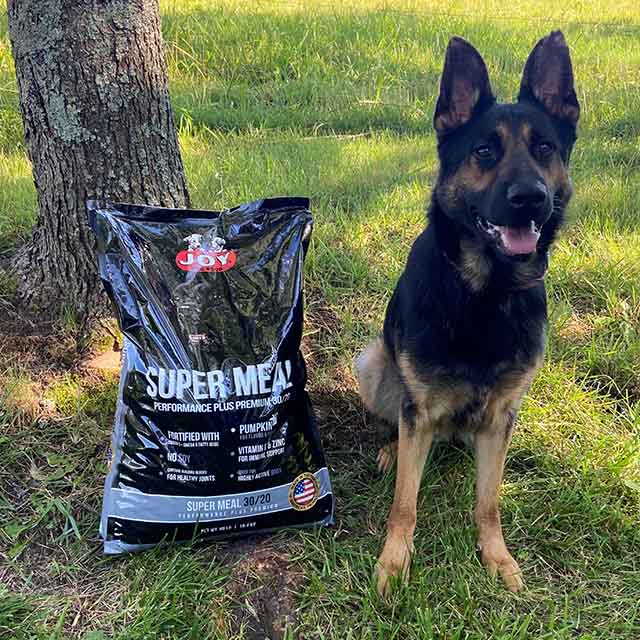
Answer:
(514, 241)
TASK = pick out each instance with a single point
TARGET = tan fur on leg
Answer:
(387, 456)
(413, 447)
(491, 445)
(490, 449)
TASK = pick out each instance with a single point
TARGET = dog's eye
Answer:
(483, 152)
(544, 149)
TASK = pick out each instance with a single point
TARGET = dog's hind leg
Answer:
(381, 387)
(381, 390)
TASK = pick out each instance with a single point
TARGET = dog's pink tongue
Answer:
(518, 240)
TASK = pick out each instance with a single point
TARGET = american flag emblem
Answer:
(303, 493)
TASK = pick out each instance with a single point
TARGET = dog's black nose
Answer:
(529, 195)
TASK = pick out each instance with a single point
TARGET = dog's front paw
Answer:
(394, 561)
(497, 560)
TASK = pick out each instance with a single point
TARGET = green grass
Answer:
(335, 101)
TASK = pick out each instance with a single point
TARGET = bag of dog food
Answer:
(214, 433)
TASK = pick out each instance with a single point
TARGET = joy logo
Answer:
(199, 257)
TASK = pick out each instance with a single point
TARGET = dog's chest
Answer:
(491, 336)
(457, 405)
(467, 412)
(466, 408)
(465, 357)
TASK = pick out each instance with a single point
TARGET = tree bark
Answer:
(98, 124)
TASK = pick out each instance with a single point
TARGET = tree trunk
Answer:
(98, 124)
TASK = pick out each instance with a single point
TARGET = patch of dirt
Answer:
(342, 421)
(40, 344)
(106, 361)
(322, 324)
(577, 330)
(264, 585)
(36, 345)
(36, 353)
(35, 575)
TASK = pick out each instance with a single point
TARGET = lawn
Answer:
(334, 100)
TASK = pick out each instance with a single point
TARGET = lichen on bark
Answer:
(97, 118)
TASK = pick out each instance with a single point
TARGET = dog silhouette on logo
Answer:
(194, 241)
(217, 244)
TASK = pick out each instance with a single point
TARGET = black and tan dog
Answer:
(464, 330)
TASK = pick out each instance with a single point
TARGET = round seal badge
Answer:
(304, 492)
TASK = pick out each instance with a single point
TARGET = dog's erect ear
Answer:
(548, 79)
(464, 87)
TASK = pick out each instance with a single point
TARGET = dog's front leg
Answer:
(415, 434)
(491, 444)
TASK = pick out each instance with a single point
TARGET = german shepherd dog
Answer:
(464, 331)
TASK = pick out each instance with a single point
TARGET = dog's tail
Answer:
(381, 387)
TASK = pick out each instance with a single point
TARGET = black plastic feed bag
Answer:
(214, 432)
